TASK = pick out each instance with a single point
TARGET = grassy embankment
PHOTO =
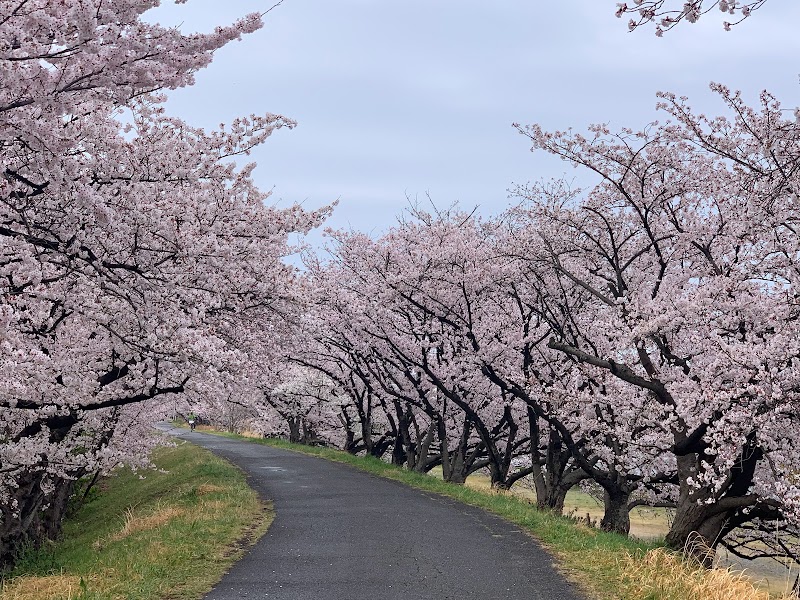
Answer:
(606, 566)
(167, 534)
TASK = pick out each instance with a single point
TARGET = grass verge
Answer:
(166, 534)
(664, 575)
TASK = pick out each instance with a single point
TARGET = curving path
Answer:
(342, 534)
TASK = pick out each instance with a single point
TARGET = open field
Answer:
(165, 534)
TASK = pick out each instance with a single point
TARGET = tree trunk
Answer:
(366, 435)
(457, 467)
(37, 518)
(702, 520)
(559, 474)
(696, 531)
(294, 429)
(552, 499)
(500, 460)
(403, 452)
(350, 444)
(309, 436)
(422, 457)
(399, 454)
(50, 520)
(456, 472)
(616, 517)
(697, 527)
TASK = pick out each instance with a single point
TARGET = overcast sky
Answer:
(398, 99)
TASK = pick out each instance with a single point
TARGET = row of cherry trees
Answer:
(642, 334)
(137, 261)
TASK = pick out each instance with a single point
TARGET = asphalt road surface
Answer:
(342, 534)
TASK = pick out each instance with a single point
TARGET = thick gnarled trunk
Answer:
(616, 514)
(455, 463)
(702, 520)
(553, 470)
(37, 517)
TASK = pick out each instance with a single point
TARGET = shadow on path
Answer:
(342, 534)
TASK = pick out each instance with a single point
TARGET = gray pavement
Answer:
(342, 534)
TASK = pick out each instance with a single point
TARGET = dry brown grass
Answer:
(51, 587)
(208, 488)
(205, 428)
(664, 575)
(135, 523)
(251, 434)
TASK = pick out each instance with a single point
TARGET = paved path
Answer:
(342, 534)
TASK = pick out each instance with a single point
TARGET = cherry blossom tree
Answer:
(307, 403)
(687, 250)
(416, 277)
(592, 432)
(475, 287)
(135, 256)
(331, 343)
(392, 405)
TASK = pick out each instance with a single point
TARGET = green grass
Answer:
(167, 534)
(594, 559)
